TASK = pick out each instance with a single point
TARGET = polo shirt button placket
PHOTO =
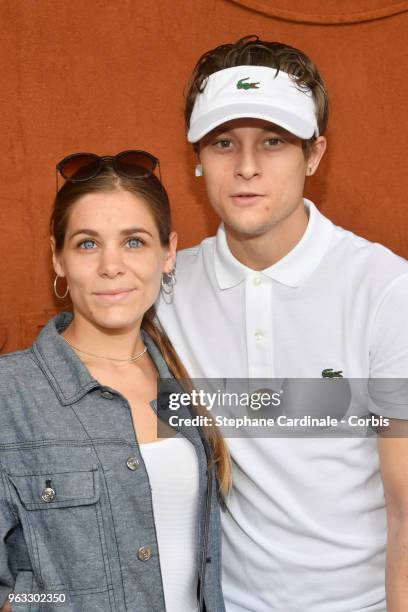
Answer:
(259, 324)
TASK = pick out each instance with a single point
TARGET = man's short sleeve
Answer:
(388, 384)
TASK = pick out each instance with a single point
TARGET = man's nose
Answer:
(247, 165)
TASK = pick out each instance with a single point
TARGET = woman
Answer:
(97, 512)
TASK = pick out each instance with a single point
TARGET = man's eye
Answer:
(135, 243)
(86, 244)
(273, 142)
(224, 143)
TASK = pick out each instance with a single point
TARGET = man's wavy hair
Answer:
(252, 51)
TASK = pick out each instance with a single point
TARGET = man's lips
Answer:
(244, 198)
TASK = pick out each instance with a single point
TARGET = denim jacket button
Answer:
(48, 494)
(132, 463)
(107, 394)
(144, 553)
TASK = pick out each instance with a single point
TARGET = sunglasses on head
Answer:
(81, 167)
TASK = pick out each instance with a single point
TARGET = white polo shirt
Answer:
(305, 526)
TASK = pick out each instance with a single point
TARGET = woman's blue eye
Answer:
(134, 242)
(86, 244)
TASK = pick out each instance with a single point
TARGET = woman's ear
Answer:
(170, 260)
(56, 259)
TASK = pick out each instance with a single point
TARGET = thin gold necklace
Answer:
(102, 357)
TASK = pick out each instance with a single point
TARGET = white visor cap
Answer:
(257, 92)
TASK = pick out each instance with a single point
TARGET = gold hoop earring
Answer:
(61, 297)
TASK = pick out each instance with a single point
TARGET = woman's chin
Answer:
(111, 320)
(115, 317)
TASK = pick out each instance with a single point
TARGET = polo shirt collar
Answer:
(293, 269)
(66, 373)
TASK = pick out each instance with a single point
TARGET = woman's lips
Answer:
(245, 199)
(114, 297)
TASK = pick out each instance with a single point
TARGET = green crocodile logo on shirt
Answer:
(330, 373)
(242, 85)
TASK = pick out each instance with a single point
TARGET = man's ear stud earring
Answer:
(198, 170)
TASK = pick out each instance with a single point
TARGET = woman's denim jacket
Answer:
(76, 514)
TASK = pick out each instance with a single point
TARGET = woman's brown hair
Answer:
(153, 193)
(251, 51)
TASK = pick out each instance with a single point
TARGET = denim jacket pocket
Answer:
(61, 517)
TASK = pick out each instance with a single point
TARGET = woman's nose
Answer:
(111, 262)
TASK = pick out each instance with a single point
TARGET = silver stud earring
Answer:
(198, 170)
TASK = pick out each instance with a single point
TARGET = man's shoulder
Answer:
(192, 256)
(367, 257)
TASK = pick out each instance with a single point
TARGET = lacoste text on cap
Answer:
(257, 92)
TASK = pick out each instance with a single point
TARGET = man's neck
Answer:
(262, 251)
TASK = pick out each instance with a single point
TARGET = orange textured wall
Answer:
(105, 75)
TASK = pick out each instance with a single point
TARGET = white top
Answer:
(305, 529)
(172, 467)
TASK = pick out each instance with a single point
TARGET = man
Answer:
(282, 292)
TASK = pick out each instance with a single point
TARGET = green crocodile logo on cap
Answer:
(242, 85)
(330, 373)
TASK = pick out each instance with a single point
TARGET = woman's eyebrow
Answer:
(89, 232)
(135, 230)
(125, 232)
